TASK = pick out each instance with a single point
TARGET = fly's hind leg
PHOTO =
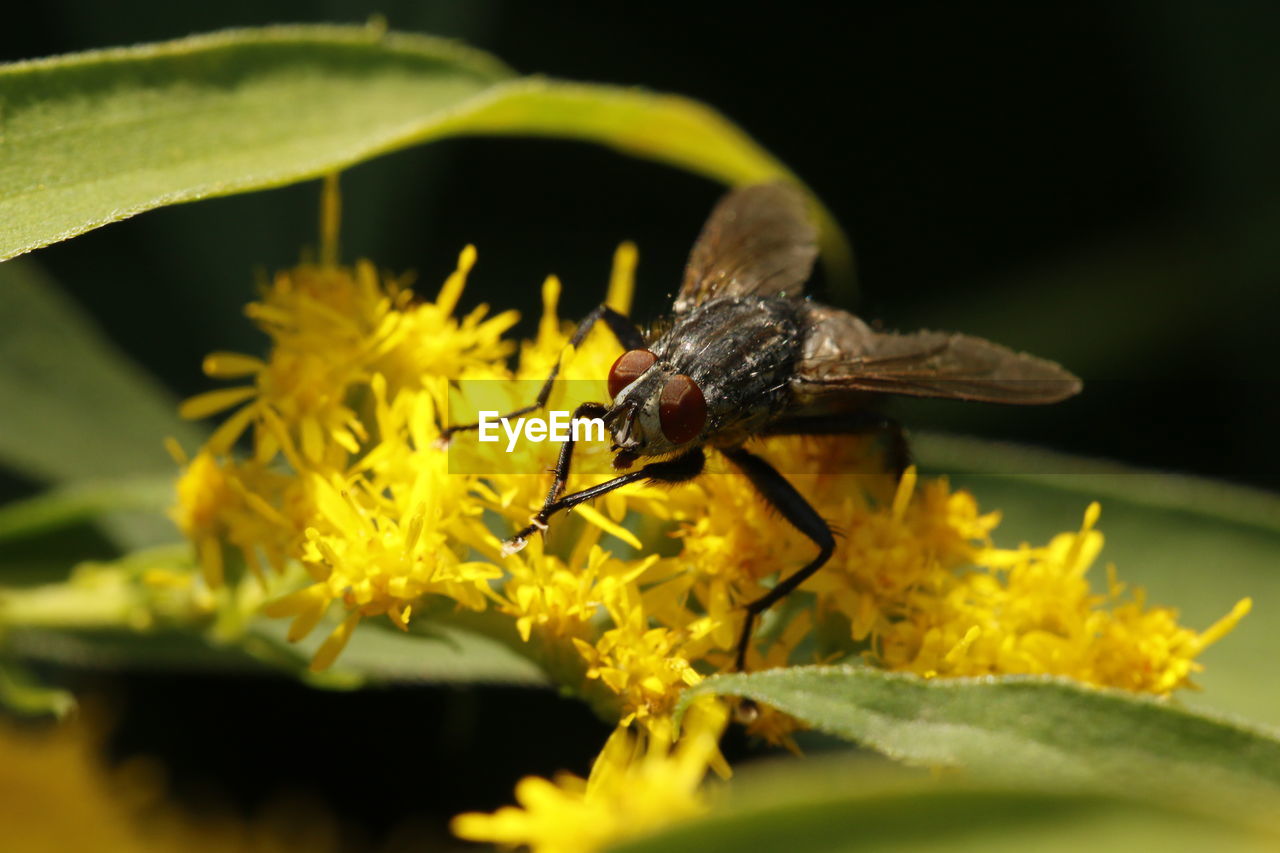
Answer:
(775, 489)
(623, 329)
(791, 504)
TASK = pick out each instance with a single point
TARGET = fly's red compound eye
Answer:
(682, 410)
(627, 369)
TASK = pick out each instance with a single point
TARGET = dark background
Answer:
(1097, 182)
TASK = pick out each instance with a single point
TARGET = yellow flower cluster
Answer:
(1031, 611)
(632, 600)
(637, 785)
(344, 474)
(348, 398)
(58, 793)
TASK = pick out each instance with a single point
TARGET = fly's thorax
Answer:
(737, 353)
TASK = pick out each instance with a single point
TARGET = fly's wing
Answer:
(758, 241)
(843, 355)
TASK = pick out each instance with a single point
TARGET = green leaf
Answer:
(21, 694)
(113, 649)
(433, 653)
(372, 658)
(93, 138)
(131, 512)
(1028, 727)
(449, 655)
(667, 128)
(827, 805)
(149, 609)
(72, 406)
(1097, 479)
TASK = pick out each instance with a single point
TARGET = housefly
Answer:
(745, 354)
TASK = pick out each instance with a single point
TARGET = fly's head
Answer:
(655, 411)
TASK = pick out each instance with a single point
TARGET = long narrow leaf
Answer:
(826, 805)
(93, 138)
(72, 406)
(1021, 726)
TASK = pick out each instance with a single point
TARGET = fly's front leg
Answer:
(676, 470)
(565, 460)
(621, 326)
(780, 494)
(851, 423)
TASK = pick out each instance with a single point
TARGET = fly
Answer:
(745, 354)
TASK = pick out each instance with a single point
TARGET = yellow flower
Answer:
(396, 529)
(332, 330)
(259, 511)
(58, 794)
(55, 794)
(205, 503)
(646, 667)
(562, 599)
(1031, 611)
(638, 784)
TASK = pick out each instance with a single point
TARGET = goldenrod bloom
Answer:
(346, 478)
(57, 793)
(333, 329)
(257, 510)
(638, 784)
